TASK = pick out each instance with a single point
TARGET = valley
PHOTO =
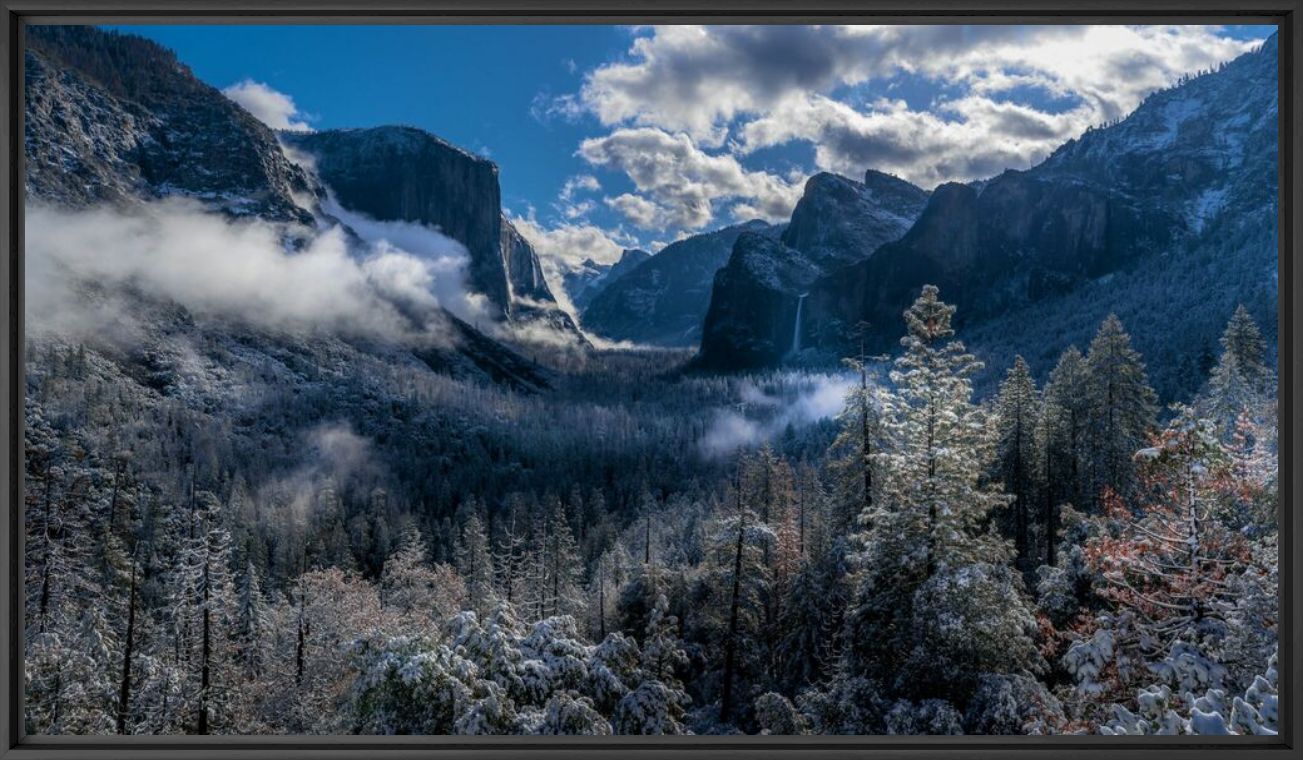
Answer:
(315, 445)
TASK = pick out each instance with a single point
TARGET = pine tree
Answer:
(1169, 561)
(475, 564)
(1018, 413)
(252, 622)
(1240, 383)
(1122, 410)
(929, 522)
(1061, 443)
(940, 444)
(1243, 340)
(204, 612)
(418, 595)
(854, 451)
(741, 587)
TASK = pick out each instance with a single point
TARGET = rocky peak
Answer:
(402, 173)
(113, 117)
(839, 221)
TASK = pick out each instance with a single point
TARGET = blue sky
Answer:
(610, 137)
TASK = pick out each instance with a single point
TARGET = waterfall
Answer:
(796, 329)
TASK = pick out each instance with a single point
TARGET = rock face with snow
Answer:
(837, 223)
(585, 282)
(663, 300)
(116, 119)
(113, 117)
(1167, 218)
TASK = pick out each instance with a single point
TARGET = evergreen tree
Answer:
(475, 564)
(926, 535)
(1241, 382)
(1122, 409)
(1018, 414)
(1061, 443)
(1243, 340)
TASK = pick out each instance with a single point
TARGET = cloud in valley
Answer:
(766, 410)
(244, 270)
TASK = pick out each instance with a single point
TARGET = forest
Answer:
(367, 547)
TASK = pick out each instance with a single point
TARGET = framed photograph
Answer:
(752, 379)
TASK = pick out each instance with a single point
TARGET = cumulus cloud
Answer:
(569, 203)
(678, 183)
(728, 86)
(270, 106)
(174, 251)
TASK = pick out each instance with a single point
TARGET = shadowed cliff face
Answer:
(663, 300)
(1019, 239)
(406, 174)
(754, 306)
(752, 321)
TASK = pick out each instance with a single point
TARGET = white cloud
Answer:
(564, 247)
(175, 251)
(271, 107)
(749, 87)
(415, 265)
(679, 183)
(568, 203)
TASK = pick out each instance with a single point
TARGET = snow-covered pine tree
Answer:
(1240, 384)
(475, 564)
(662, 651)
(562, 568)
(1168, 562)
(940, 445)
(416, 594)
(1243, 340)
(205, 612)
(741, 586)
(925, 535)
(252, 625)
(1122, 409)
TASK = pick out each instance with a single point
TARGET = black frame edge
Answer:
(15, 13)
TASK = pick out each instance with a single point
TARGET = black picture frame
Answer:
(15, 14)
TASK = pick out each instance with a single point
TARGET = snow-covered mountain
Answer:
(590, 278)
(756, 314)
(1167, 218)
(117, 120)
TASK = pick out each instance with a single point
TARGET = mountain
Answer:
(756, 316)
(116, 119)
(583, 283)
(663, 300)
(398, 173)
(1167, 218)
(112, 117)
